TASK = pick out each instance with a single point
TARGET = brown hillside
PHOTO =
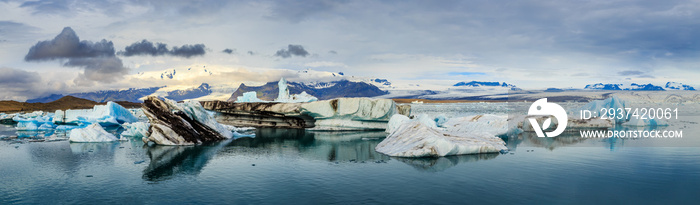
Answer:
(67, 102)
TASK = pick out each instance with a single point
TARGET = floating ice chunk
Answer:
(66, 127)
(427, 121)
(185, 123)
(495, 125)
(350, 113)
(34, 121)
(637, 122)
(136, 129)
(610, 103)
(283, 94)
(396, 121)
(111, 114)
(440, 120)
(251, 96)
(415, 139)
(91, 133)
(195, 111)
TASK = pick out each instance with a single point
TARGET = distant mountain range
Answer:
(485, 84)
(128, 95)
(640, 87)
(192, 93)
(323, 91)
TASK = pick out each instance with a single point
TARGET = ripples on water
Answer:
(282, 166)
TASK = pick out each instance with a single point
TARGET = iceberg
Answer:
(251, 96)
(91, 133)
(283, 94)
(395, 122)
(494, 125)
(350, 113)
(185, 123)
(34, 121)
(638, 122)
(609, 103)
(415, 139)
(111, 114)
(136, 130)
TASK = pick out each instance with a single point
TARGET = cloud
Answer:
(188, 51)
(100, 69)
(630, 72)
(466, 73)
(229, 51)
(332, 52)
(68, 45)
(98, 60)
(146, 47)
(292, 50)
(17, 83)
(251, 53)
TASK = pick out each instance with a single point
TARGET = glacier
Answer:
(284, 96)
(91, 133)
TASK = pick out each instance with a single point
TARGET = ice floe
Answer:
(91, 133)
(136, 130)
(421, 137)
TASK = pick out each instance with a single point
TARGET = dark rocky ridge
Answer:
(161, 117)
(343, 88)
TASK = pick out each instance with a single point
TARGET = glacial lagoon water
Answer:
(295, 166)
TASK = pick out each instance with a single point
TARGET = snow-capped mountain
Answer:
(483, 84)
(677, 86)
(322, 91)
(636, 86)
(130, 95)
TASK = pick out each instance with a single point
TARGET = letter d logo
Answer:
(542, 108)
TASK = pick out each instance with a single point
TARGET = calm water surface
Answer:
(297, 166)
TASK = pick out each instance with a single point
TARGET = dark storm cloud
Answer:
(16, 83)
(146, 47)
(188, 50)
(97, 60)
(68, 45)
(630, 72)
(229, 51)
(99, 69)
(292, 50)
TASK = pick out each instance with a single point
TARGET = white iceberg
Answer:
(415, 139)
(137, 129)
(111, 114)
(91, 133)
(495, 125)
(284, 96)
(251, 96)
(395, 122)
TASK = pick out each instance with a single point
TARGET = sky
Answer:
(65, 46)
